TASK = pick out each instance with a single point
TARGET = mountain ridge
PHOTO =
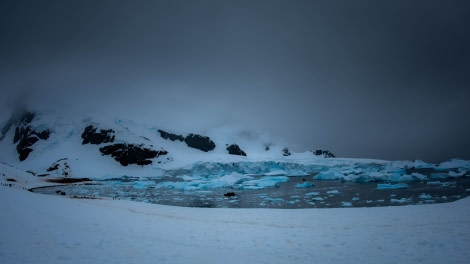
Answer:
(42, 140)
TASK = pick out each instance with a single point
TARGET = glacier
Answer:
(63, 154)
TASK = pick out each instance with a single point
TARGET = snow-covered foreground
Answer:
(37, 228)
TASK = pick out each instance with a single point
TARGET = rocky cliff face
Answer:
(25, 136)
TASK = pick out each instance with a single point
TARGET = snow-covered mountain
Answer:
(98, 146)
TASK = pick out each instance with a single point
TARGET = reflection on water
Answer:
(297, 192)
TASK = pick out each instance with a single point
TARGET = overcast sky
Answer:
(375, 79)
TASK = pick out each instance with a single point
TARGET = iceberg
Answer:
(198, 183)
(331, 174)
(454, 163)
(264, 182)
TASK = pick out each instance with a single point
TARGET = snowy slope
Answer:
(51, 229)
(39, 228)
(65, 141)
(85, 160)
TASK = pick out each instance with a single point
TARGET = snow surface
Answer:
(39, 228)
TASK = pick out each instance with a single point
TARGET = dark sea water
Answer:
(322, 193)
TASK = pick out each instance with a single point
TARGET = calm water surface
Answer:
(322, 193)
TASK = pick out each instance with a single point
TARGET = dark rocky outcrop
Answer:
(234, 149)
(61, 167)
(131, 154)
(170, 136)
(286, 152)
(324, 153)
(18, 117)
(90, 136)
(25, 137)
(199, 142)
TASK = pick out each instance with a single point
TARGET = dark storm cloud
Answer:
(362, 78)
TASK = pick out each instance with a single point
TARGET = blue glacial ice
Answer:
(195, 183)
(259, 168)
(263, 182)
(233, 180)
(264, 174)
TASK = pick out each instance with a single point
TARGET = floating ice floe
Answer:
(402, 200)
(275, 200)
(333, 192)
(312, 194)
(425, 196)
(304, 185)
(386, 186)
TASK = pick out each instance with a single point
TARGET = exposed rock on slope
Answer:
(323, 153)
(170, 136)
(234, 149)
(25, 136)
(91, 136)
(60, 168)
(131, 154)
(286, 152)
(199, 142)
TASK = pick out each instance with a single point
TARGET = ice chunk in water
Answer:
(331, 174)
(454, 163)
(333, 192)
(312, 194)
(275, 200)
(425, 196)
(402, 200)
(304, 185)
(386, 186)
(264, 182)
(456, 174)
